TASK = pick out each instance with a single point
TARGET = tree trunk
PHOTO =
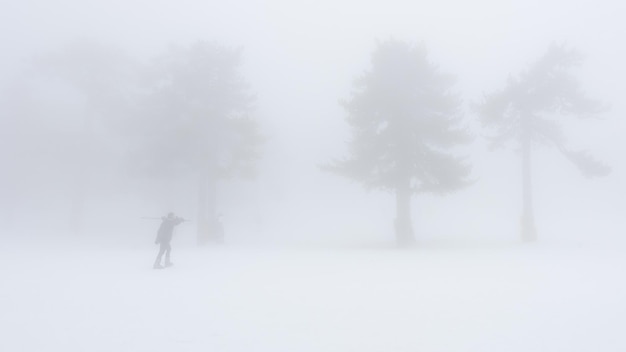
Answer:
(202, 227)
(83, 174)
(404, 230)
(77, 207)
(529, 233)
(207, 220)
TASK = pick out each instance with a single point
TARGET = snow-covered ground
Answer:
(434, 298)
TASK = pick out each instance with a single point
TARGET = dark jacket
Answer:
(164, 235)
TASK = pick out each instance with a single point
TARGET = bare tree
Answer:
(404, 118)
(527, 111)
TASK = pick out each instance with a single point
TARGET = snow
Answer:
(509, 297)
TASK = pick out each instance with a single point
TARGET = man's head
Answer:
(170, 215)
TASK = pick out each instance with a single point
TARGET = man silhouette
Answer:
(164, 237)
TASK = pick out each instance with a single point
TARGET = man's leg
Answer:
(167, 255)
(157, 262)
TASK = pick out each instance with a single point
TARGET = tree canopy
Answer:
(404, 115)
(196, 113)
(533, 104)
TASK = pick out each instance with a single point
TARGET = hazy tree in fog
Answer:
(527, 111)
(404, 119)
(197, 120)
(60, 101)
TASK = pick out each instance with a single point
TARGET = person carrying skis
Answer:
(164, 237)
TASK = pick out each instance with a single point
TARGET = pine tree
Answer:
(404, 118)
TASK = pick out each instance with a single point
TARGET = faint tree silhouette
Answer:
(88, 83)
(527, 111)
(197, 118)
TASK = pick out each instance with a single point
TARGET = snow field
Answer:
(526, 298)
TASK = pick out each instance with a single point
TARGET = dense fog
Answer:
(330, 133)
(76, 116)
